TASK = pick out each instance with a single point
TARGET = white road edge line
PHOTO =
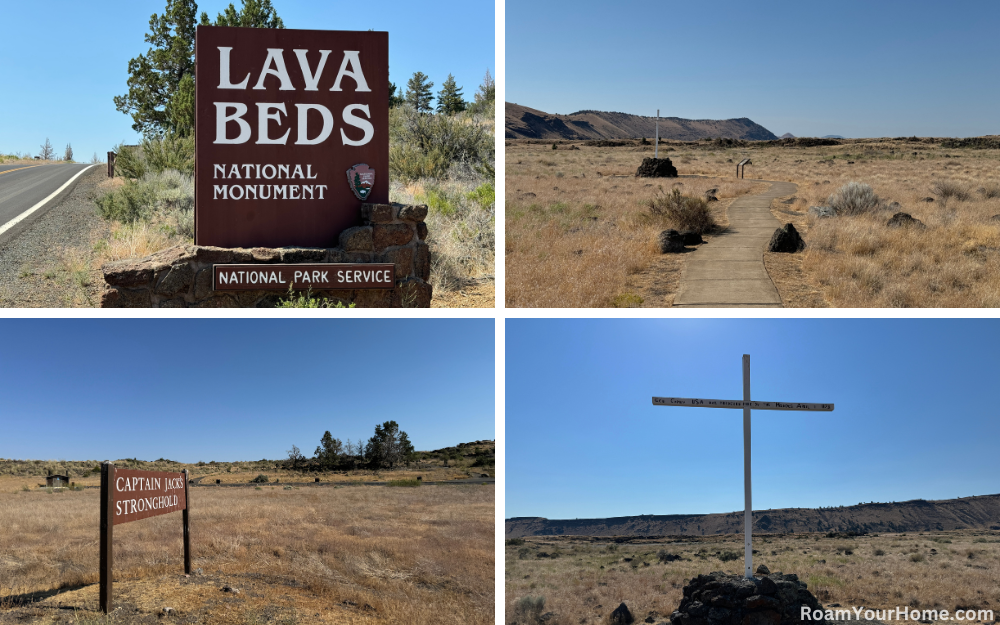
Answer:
(13, 222)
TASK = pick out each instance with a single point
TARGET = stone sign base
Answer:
(181, 276)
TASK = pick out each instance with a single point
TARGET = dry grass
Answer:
(579, 232)
(584, 579)
(857, 261)
(331, 555)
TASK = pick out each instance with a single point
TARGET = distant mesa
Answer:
(978, 513)
(522, 122)
(787, 135)
(831, 137)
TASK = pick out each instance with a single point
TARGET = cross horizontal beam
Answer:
(739, 404)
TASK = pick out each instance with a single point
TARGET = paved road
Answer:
(728, 272)
(24, 187)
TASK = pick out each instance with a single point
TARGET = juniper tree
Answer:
(450, 99)
(388, 447)
(418, 92)
(160, 94)
(295, 456)
(68, 156)
(329, 451)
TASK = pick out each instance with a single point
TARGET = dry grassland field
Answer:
(577, 235)
(335, 554)
(583, 579)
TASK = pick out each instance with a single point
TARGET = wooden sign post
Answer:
(130, 495)
(747, 405)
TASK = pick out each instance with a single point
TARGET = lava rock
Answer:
(904, 220)
(927, 199)
(656, 168)
(786, 240)
(621, 616)
(763, 570)
(723, 599)
(710, 195)
(823, 211)
(692, 238)
(671, 242)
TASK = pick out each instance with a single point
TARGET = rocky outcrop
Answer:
(724, 599)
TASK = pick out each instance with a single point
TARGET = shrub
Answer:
(727, 556)
(665, 556)
(854, 198)
(514, 542)
(529, 609)
(404, 483)
(426, 146)
(260, 479)
(990, 191)
(917, 557)
(948, 189)
(880, 552)
(682, 211)
(169, 194)
(306, 300)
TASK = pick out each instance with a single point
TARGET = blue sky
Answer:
(64, 60)
(916, 413)
(855, 68)
(238, 389)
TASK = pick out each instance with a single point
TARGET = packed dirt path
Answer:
(729, 271)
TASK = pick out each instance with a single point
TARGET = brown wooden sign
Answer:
(130, 495)
(291, 132)
(142, 494)
(319, 277)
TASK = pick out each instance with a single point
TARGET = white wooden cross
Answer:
(747, 405)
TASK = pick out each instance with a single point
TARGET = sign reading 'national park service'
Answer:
(281, 115)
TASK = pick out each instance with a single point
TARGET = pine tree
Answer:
(160, 94)
(418, 92)
(68, 156)
(394, 100)
(450, 99)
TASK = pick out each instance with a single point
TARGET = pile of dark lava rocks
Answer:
(724, 599)
(656, 168)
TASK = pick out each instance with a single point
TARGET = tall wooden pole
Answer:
(187, 532)
(748, 506)
(107, 525)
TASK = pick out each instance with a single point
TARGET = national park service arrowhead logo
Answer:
(362, 179)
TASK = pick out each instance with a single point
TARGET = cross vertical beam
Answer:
(656, 150)
(748, 506)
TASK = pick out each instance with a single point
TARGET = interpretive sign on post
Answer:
(291, 133)
(130, 495)
(746, 404)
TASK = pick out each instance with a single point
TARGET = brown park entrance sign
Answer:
(291, 134)
(130, 495)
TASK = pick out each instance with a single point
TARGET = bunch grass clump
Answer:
(682, 211)
(855, 198)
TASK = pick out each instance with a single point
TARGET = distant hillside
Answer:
(787, 135)
(981, 512)
(832, 137)
(525, 123)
